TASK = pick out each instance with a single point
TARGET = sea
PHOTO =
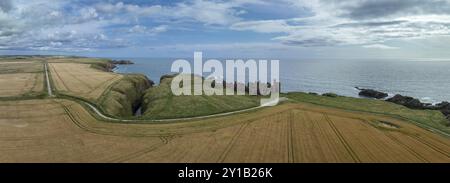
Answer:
(427, 80)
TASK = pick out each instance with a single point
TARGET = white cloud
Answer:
(357, 22)
(58, 24)
(264, 26)
(140, 29)
(380, 46)
(46, 25)
(121, 7)
(208, 12)
(88, 13)
(203, 11)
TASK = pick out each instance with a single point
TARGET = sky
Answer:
(405, 29)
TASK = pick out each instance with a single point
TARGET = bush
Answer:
(333, 95)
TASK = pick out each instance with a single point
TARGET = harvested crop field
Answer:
(8, 67)
(63, 131)
(81, 80)
(41, 131)
(19, 84)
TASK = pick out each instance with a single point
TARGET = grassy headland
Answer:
(124, 96)
(160, 103)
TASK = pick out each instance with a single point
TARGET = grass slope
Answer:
(124, 95)
(160, 103)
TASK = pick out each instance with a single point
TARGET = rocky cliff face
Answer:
(125, 96)
(409, 102)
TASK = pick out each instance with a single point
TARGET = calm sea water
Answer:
(426, 79)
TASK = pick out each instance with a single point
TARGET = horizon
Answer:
(243, 58)
(286, 29)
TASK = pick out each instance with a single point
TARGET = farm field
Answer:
(21, 78)
(81, 80)
(13, 66)
(20, 84)
(426, 118)
(57, 130)
(307, 128)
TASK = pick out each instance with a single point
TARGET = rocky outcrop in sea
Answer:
(371, 93)
(407, 101)
(121, 62)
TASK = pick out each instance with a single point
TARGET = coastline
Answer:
(326, 76)
(406, 101)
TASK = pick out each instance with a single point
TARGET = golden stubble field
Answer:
(20, 78)
(81, 80)
(57, 130)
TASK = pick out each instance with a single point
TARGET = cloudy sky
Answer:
(234, 28)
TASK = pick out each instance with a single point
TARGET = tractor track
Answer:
(342, 139)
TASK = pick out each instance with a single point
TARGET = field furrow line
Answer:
(70, 73)
(291, 153)
(136, 154)
(85, 128)
(36, 81)
(29, 138)
(342, 139)
(437, 149)
(107, 82)
(59, 77)
(232, 142)
(409, 149)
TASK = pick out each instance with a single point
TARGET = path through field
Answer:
(49, 87)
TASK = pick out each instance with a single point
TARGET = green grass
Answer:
(428, 118)
(121, 98)
(160, 103)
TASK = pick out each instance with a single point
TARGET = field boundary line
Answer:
(59, 78)
(35, 83)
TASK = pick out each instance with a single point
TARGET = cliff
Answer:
(125, 96)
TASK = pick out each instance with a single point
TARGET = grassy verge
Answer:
(427, 118)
